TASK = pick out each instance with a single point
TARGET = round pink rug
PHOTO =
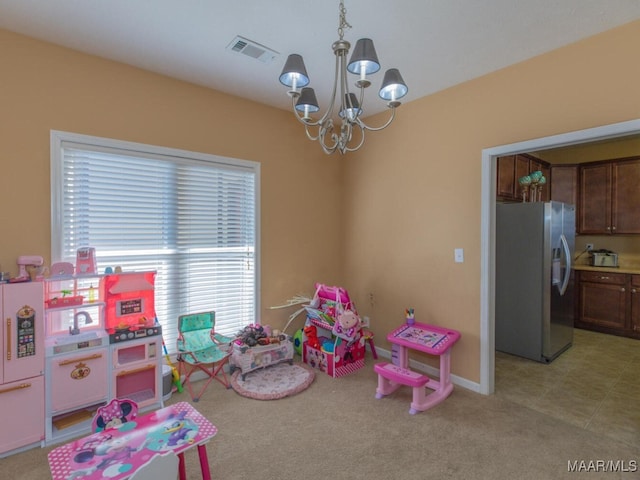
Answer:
(277, 381)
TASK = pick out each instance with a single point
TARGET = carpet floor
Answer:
(338, 429)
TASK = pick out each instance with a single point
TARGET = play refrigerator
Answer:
(21, 366)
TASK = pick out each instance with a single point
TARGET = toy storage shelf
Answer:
(67, 425)
(345, 358)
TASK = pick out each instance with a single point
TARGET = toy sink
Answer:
(73, 343)
(81, 337)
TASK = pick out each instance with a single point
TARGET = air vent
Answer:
(247, 47)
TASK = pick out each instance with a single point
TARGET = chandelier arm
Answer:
(307, 129)
(376, 129)
(353, 149)
(321, 139)
(329, 111)
(344, 84)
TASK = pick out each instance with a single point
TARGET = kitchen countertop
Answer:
(632, 268)
(627, 263)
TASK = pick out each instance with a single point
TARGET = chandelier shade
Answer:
(341, 127)
(294, 73)
(307, 102)
(351, 108)
(364, 59)
(393, 86)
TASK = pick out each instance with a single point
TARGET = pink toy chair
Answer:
(114, 414)
(201, 349)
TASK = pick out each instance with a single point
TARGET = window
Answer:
(190, 217)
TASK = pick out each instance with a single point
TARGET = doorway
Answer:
(488, 206)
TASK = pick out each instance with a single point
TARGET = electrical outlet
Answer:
(589, 247)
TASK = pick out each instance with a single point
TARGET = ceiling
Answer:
(434, 43)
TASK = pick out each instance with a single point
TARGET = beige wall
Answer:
(413, 194)
(410, 196)
(45, 88)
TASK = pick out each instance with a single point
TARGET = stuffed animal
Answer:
(312, 336)
(347, 325)
(251, 335)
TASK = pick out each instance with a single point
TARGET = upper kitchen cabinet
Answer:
(537, 164)
(625, 204)
(510, 168)
(564, 184)
(610, 197)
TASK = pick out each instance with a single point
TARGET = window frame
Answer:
(59, 138)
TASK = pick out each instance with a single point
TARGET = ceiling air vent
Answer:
(252, 49)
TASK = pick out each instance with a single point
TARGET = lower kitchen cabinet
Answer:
(635, 304)
(608, 303)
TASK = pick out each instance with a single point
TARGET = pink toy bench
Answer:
(390, 376)
(388, 372)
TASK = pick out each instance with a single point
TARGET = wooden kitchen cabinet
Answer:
(610, 197)
(595, 199)
(603, 300)
(545, 168)
(510, 168)
(609, 302)
(625, 203)
(564, 184)
(635, 304)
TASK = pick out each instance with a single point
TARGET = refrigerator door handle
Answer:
(567, 270)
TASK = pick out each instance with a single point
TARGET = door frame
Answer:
(488, 226)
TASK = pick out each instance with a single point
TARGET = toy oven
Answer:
(136, 373)
(129, 305)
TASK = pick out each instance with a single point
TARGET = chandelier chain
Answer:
(343, 21)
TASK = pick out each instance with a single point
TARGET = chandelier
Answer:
(349, 135)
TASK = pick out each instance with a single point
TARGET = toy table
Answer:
(424, 338)
(117, 453)
(248, 359)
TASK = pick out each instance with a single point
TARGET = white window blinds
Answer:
(191, 217)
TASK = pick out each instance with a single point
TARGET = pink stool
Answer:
(391, 376)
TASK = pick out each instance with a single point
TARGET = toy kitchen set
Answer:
(102, 342)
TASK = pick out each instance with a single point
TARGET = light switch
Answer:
(458, 254)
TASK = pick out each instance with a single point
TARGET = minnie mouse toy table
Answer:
(424, 338)
(116, 454)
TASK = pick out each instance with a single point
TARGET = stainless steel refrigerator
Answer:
(535, 243)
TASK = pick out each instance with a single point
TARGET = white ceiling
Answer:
(434, 43)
